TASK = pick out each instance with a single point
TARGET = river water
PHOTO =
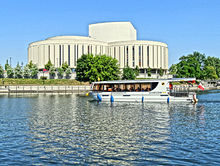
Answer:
(69, 129)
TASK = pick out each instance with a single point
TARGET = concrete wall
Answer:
(112, 31)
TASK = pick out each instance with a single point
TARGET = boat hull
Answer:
(141, 97)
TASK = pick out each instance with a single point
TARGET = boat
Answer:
(148, 90)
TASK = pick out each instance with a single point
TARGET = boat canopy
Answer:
(145, 81)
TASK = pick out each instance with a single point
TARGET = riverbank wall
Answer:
(44, 89)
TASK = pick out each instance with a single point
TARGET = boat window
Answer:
(154, 85)
(137, 87)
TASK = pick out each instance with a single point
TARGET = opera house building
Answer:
(115, 39)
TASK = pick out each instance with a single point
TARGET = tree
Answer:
(215, 62)
(6, 65)
(161, 71)
(48, 65)
(129, 73)
(173, 69)
(1, 72)
(65, 66)
(9, 70)
(26, 72)
(149, 72)
(52, 71)
(18, 71)
(68, 72)
(33, 69)
(100, 67)
(210, 72)
(60, 72)
(191, 65)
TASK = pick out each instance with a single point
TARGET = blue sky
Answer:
(185, 25)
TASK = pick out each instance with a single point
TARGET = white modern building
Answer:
(115, 39)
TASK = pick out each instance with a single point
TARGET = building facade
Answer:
(115, 39)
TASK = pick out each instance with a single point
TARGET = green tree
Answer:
(149, 72)
(129, 73)
(6, 65)
(68, 72)
(210, 72)
(173, 69)
(65, 66)
(60, 72)
(26, 72)
(161, 71)
(48, 65)
(9, 70)
(52, 71)
(1, 72)
(191, 65)
(33, 69)
(18, 71)
(92, 68)
(215, 62)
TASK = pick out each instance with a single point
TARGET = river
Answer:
(70, 130)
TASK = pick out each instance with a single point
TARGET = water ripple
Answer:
(70, 130)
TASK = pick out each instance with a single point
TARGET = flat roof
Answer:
(145, 81)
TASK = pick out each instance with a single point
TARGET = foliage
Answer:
(149, 72)
(52, 71)
(22, 81)
(18, 71)
(129, 73)
(161, 71)
(1, 72)
(197, 65)
(48, 65)
(65, 66)
(68, 72)
(33, 70)
(215, 62)
(26, 72)
(10, 71)
(60, 72)
(210, 72)
(191, 65)
(100, 67)
(6, 65)
(173, 69)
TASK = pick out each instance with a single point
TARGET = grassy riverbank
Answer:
(12, 81)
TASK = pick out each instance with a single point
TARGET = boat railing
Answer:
(180, 91)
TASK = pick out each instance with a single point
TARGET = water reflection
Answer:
(68, 129)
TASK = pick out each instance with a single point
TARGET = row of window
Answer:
(126, 54)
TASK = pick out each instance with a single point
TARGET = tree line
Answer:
(197, 65)
(31, 70)
(89, 68)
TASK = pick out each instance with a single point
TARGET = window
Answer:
(69, 55)
(75, 55)
(114, 53)
(119, 54)
(88, 50)
(127, 54)
(148, 56)
(133, 56)
(49, 53)
(139, 56)
(60, 53)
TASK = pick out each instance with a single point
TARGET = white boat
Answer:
(158, 90)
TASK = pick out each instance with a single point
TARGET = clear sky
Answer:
(185, 25)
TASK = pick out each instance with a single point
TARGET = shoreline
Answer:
(45, 89)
